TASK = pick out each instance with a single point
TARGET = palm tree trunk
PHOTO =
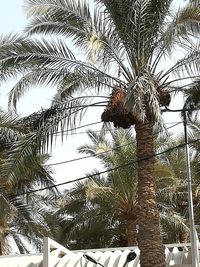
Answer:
(131, 232)
(2, 245)
(1, 249)
(149, 236)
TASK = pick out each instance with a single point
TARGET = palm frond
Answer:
(192, 98)
(188, 65)
(185, 23)
(68, 18)
(144, 87)
(44, 62)
(44, 128)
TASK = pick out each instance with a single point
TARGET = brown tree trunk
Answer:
(183, 237)
(1, 249)
(131, 232)
(2, 245)
(149, 236)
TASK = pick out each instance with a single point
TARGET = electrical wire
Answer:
(97, 131)
(89, 156)
(79, 127)
(85, 132)
(106, 171)
(102, 153)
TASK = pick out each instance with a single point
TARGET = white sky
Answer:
(12, 19)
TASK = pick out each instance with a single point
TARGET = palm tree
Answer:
(121, 184)
(171, 190)
(174, 164)
(124, 42)
(84, 223)
(21, 221)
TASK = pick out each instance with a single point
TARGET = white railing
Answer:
(57, 255)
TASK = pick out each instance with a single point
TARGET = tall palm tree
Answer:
(124, 42)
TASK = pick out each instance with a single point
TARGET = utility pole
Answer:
(193, 237)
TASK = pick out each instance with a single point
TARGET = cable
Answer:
(85, 132)
(97, 131)
(109, 170)
(79, 127)
(98, 154)
(89, 156)
(173, 122)
(170, 127)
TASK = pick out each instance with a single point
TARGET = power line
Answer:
(106, 171)
(173, 122)
(89, 156)
(102, 153)
(79, 127)
(85, 132)
(97, 131)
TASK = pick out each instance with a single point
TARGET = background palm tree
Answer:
(87, 223)
(121, 184)
(21, 221)
(124, 41)
(174, 166)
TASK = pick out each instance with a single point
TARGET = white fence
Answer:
(176, 255)
(55, 255)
